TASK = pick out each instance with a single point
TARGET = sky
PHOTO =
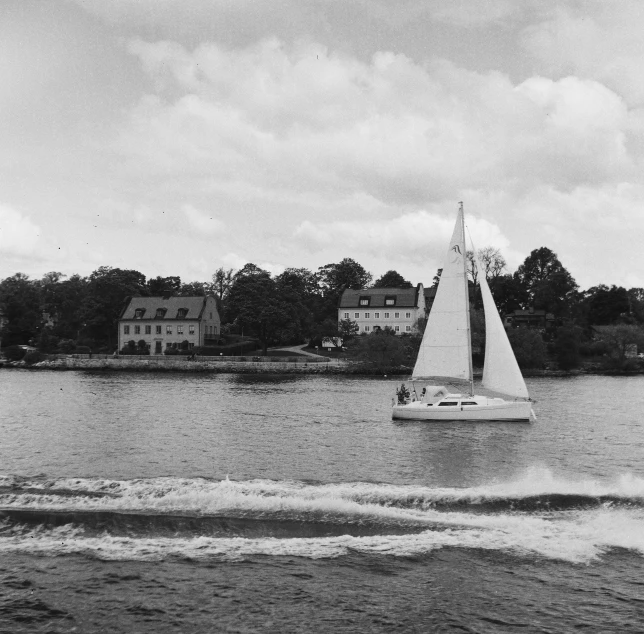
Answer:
(175, 137)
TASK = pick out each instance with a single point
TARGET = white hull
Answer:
(497, 410)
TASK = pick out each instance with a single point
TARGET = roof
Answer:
(405, 297)
(195, 306)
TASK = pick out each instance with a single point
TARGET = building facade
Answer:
(169, 322)
(376, 308)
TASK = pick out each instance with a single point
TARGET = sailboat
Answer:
(445, 354)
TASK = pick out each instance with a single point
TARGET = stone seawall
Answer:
(152, 364)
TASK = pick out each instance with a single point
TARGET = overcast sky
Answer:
(178, 136)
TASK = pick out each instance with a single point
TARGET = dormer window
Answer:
(181, 313)
(365, 301)
(161, 313)
(390, 300)
(138, 313)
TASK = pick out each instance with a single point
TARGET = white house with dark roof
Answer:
(169, 321)
(376, 308)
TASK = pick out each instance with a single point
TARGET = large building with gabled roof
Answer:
(376, 308)
(169, 322)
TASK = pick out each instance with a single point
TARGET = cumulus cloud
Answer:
(18, 234)
(414, 235)
(304, 119)
(204, 223)
(597, 40)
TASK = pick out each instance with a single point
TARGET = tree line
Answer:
(58, 312)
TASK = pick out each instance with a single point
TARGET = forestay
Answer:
(445, 349)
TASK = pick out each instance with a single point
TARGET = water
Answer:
(165, 503)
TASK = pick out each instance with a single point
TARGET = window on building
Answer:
(158, 330)
(386, 315)
(191, 346)
(407, 328)
(390, 300)
(179, 330)
(397, 328)
(137, 330)
(191, 330)
(367, 329)
(346, 315)
(376, 315)
(148, 330)
(364, 301)
(126, 330)
(160, 313)
(356, 315)
(181, 313)
(408, 315)
(367, 315)
(138, 313)
(214, 329)
(168, 330)
(396, 315)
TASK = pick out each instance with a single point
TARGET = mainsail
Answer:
(501, 372)
(446, 348)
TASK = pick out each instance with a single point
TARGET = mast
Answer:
(467, 301)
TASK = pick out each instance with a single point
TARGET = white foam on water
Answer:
(573, 535)
(580, 537)
(265, 496)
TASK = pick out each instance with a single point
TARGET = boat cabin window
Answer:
(446, 403)
(469, 403)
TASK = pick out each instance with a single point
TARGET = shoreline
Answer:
(334, 366)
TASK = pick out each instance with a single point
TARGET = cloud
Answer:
(595, 40)
(416, 235)
(201, 222)
(302, 119)
(18, 234)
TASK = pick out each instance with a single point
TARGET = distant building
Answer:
(166, 322)
(376, 308)
(531, 318)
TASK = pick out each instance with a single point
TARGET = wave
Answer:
(199, 518)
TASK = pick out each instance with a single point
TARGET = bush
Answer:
(82, 350)
(67, 346)
(14, 353)
(566, 347)
(34, 356)
(528, 347)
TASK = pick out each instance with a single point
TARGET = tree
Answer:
(492, 261)
(335, 278)
(194, 289)
(348, 329)
(547, 284)
(107, 291)
(222, 280)
(382, 349)
(607, 305)
(159, 285)
(528, 347)
(392, 279)
(21, 309)
(258, 305)
(566, 346)
(508, 292)
(621, 338)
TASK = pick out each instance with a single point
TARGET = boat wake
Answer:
(159, 518)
